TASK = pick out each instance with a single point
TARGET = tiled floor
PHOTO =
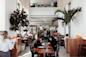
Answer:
(62, 52)
(27, 53)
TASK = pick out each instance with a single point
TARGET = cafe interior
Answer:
(45, 28)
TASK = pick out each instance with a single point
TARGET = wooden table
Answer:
(42, 51)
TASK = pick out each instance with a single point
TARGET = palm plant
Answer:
(68, 16)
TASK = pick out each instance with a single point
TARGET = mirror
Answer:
(43, 3)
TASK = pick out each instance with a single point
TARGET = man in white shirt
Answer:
(6, 44)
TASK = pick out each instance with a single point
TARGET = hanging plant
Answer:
(18, 19)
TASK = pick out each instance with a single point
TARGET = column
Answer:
(10, 6)
(2, 15)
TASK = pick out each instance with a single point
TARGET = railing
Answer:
(43, 11)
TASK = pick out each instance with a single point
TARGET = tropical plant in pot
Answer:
(68, 16)
(18, 19)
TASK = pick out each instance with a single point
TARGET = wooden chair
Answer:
(13, 52)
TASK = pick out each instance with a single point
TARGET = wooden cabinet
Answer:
(73, 46)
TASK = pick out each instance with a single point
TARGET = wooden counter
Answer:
(73, 47)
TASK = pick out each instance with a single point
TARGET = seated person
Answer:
(38, 42)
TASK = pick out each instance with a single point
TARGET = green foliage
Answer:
(18, 19)
(68, 15)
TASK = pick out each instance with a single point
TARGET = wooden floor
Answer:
(27, 53)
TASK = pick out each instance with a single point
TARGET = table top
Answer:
(44, 49)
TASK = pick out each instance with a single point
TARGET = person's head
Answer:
(18, 35)
(40, 36)
(55, 33)
(5, 33)
(45, 29)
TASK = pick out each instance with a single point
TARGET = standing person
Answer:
(45, 34)
(55, 42)
(6, 44)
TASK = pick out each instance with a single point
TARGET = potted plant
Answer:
(68, 16)
(18, 19)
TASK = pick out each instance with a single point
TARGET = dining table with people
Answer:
(46, 48)
(10, 46)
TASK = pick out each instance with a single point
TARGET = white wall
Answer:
(11, 5)
(6, 7)
(63, 3)
(79, 25)
(61, 27)
(2, 15)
